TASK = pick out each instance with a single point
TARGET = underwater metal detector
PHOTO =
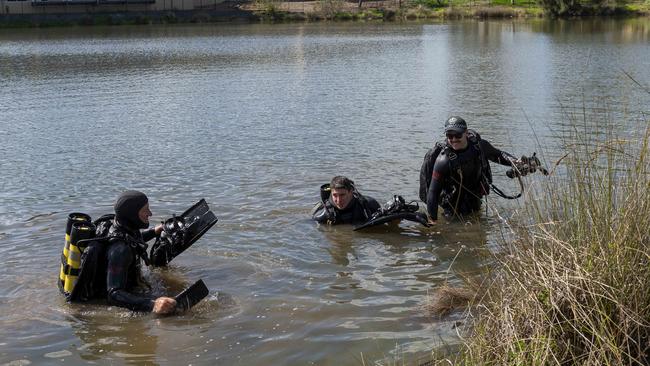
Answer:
(395, 209)
(191, 296)
(526, 165)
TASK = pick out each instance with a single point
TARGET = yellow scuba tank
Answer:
(65, 269)
(80, 231)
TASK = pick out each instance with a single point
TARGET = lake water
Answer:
(254, 118)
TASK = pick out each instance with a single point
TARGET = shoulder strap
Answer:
(363, 201)
(140, 247)
(486, 171)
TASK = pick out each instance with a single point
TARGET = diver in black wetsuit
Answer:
(460, 172)
(127, 247)
(343, 204)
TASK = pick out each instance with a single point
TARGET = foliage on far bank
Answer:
(584, 7)
(554, 8)
(572, 287)
(273, 10)
(270, 10)
(340, 10)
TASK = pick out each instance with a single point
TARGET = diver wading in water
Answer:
(456, 173)
(103, 259)
(341, 203)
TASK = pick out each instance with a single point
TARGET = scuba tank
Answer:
(65, 269)
(80, 231)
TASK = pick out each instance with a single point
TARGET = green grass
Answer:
(432, 3)
(522, 3)
(640, 8)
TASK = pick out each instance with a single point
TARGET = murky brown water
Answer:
(254, 118)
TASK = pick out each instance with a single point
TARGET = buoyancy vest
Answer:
(426, 171)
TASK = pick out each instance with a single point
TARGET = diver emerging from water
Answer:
(341, 203)
(456, 173)
(125, 252)
(106, 262)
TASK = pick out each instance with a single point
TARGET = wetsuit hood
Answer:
(127, 207)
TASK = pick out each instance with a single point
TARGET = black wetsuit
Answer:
(458, 180)
(123, 267)
(358, 211)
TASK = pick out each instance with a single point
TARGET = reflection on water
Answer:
(117, 336)
(103, 337)
(628, 31)
(254, 118)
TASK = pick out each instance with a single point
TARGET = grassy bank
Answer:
(338, 10)
(272, 10)
(573, 286)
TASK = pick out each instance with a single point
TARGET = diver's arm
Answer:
(120, 258)
(150, 233)
(372, 205)
(438, 176)
(496, 155)
(320, 214)
(125, 299)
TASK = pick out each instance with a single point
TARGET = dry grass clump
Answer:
(446, 299)
(574, 286)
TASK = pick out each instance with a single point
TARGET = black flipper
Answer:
(197, 219)
(191, 296)
(180, 232)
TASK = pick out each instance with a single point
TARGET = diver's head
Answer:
(132, 210)
(456, 132)
(342, 191)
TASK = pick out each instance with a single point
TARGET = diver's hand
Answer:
(158, 229)
(431, 221)
(164, 305)
(521, 166)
